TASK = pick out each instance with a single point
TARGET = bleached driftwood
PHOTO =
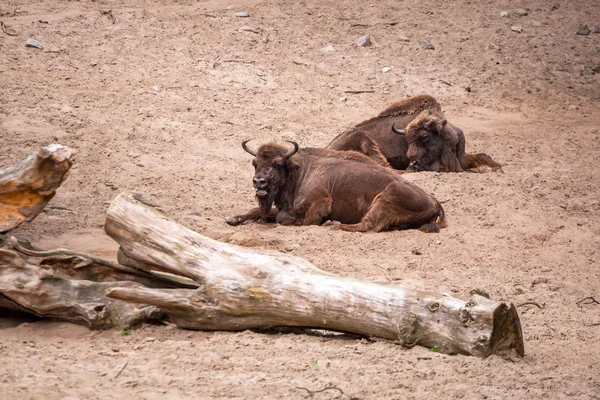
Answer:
(26, 187)
(241, 288)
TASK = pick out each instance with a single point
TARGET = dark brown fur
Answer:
(446, 153)
(316, 185)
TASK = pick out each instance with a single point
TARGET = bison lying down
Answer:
(310, 186)
(413, 134)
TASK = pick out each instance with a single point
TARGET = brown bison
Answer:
(310, 186)
(413, 134)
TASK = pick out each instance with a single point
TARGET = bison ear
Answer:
(439, 126)
(291, 164)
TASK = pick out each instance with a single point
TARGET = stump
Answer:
(26, 187)
(241, 288)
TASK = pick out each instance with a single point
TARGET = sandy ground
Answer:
(530, 234)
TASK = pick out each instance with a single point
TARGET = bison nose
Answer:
(259, 183)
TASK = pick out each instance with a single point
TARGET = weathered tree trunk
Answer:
(242, 288)
(70, 286)
(26, 187)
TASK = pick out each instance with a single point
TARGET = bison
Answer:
(413, 134)
(310, 186)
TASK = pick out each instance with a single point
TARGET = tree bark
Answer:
(26, 187)
(242, 288)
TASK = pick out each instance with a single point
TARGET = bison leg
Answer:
(401, 205)
(318, 206)
(254, 214)
(480, 162)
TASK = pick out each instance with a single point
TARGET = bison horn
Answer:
(248, 148)
(398, 131)
(291, 152)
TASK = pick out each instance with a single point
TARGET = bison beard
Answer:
(265, 203)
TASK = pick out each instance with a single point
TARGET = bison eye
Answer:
(424, 138)
(277, 165)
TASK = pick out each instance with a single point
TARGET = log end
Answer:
(507, 333)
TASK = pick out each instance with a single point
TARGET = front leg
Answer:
(318, 206)
(254, 214)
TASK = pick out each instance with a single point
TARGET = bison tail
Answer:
(437, 222)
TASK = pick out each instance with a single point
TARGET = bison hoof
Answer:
(233, 221)
(331, 223)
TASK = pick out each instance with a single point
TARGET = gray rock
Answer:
(403, 38)
(343, 99)
(426, 44)
(292, 247)
(521, 12)
(516, 28)
(386, 69)
(328, 49)
(504, 14)
(596, 29)
(549, 43)
(596, 69)
(546, 269)
(242, 14)
(364, 41)
(156, 88)
(33, 43)
(465, 38)
(583, 30)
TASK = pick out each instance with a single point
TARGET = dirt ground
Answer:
(158, 101)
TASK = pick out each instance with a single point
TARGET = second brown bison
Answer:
(413, 134)
(310, 186)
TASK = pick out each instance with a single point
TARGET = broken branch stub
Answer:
(241, 288)
(26, 187)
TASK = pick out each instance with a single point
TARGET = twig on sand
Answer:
(445, 82)
(4, 26)
(591, 301)
(121, 370)
(239, 61)
(531, 303)
(110, 15)
(312, 392)
(358, 91)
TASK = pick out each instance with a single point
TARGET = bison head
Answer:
(434, 145)
(272, 165)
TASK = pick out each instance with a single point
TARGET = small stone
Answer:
(516, 28)
(242, 14)
(150, 339)
(426, 44)
(583, 30)
(387, 69)
(554, 288)
(343, 99)
(546, 269)
(292, 247)
(438, 242)
(504, 14)
(549, 43)
(536, 24)
(364, 41)
(416, 252)
(33, 43)
(519, 290)
(538, 280)
(596, 29)
(403, 38)
(156, 88)
(465, 38)
(596, 69)
(328, 49)
(521, 12)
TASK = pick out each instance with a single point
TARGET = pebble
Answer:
(150, 339)
(387, 69)
(364, 41)
(538, 280)
(156, 88)
(583, 30)
(416, 252)
(519, 290)
(438, 242)
(343, 99)
(596, 69)
(403, 38)
(546, 269)
(521, 12)
(292, 247)
(504, 14)
(465, 38)
(516, 28)
(596, 29)
(426, 44)
(242, 14)
(328, 49)
(549, 43)
(33, 43)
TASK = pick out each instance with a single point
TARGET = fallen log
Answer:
(241, 288)
(26, 187)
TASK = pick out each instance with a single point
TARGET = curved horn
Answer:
(397, 131)
(248, 148)
(291, 152)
